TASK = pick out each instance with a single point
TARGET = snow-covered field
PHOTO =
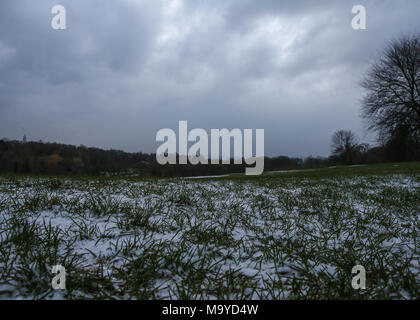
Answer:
(271, 238)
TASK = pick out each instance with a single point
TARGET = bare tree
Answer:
(345, 146)
(392, 103)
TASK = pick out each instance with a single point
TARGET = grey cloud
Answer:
(123, 70)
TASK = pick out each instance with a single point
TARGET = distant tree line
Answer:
(54, 158)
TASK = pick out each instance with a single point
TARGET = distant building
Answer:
(24, 138)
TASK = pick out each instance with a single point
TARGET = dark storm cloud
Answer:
(123, 70)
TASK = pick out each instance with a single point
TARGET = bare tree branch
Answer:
(393, 89)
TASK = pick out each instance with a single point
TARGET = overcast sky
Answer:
(124, 69)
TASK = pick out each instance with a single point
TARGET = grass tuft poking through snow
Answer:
(276, 237)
